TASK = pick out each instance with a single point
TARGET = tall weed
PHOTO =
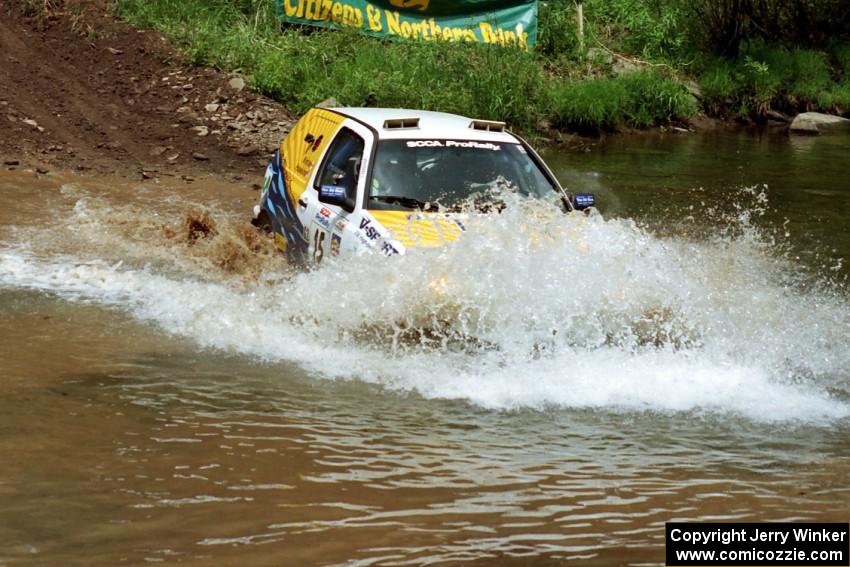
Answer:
(557, 28)
(638, 99)
(650, 28)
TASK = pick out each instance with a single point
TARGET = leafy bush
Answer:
(766, 78)
(761, 83)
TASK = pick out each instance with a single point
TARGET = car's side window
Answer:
(341, 165)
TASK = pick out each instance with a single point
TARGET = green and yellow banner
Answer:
(508, 23)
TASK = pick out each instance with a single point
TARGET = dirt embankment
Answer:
(82, 90)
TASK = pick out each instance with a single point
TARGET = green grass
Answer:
(301, 69)
(556, 84)
(720, 85)
(836, 99)
(589, 106)
(640, 99)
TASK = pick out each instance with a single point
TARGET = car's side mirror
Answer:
(339, 195)
(344, 190)
(582, 201)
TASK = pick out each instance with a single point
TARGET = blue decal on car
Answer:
(282, 212)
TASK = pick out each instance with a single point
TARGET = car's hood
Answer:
(419, 229)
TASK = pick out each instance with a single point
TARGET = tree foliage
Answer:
(724, 26)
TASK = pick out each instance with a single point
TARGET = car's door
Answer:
(344, 165)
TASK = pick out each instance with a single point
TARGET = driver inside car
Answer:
(395, 174)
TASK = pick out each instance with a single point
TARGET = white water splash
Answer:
(582, 313)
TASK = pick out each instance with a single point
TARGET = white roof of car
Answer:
(432, 125)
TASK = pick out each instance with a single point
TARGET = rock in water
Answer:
(815, 123)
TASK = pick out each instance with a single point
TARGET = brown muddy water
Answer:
(171, 393)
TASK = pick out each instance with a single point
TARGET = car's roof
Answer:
(432, 125)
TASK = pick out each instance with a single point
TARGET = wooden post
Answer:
(580, 16)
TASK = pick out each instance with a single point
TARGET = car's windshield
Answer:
(408, 174)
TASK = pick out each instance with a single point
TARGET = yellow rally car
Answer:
(355, 179)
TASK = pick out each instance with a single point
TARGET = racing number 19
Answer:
(318, 245)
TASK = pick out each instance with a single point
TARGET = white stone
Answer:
(815, 123)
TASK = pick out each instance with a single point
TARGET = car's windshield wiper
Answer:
(401, 200)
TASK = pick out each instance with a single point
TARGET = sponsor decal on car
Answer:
(323, 218)
(305, 168)
(388, 249)
(370, 236)
(454, 144)
(370, 231)
(413, 217)
(331, 191)
(476, 145)
(340, 225)
(314, 142)
(424, 144)
(336, 240)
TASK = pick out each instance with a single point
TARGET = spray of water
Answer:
(529, 309)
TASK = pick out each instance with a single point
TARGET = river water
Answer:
(557, 391)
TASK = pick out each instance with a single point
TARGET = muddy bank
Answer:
(81, 90)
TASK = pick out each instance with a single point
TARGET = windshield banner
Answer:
(508, 23)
